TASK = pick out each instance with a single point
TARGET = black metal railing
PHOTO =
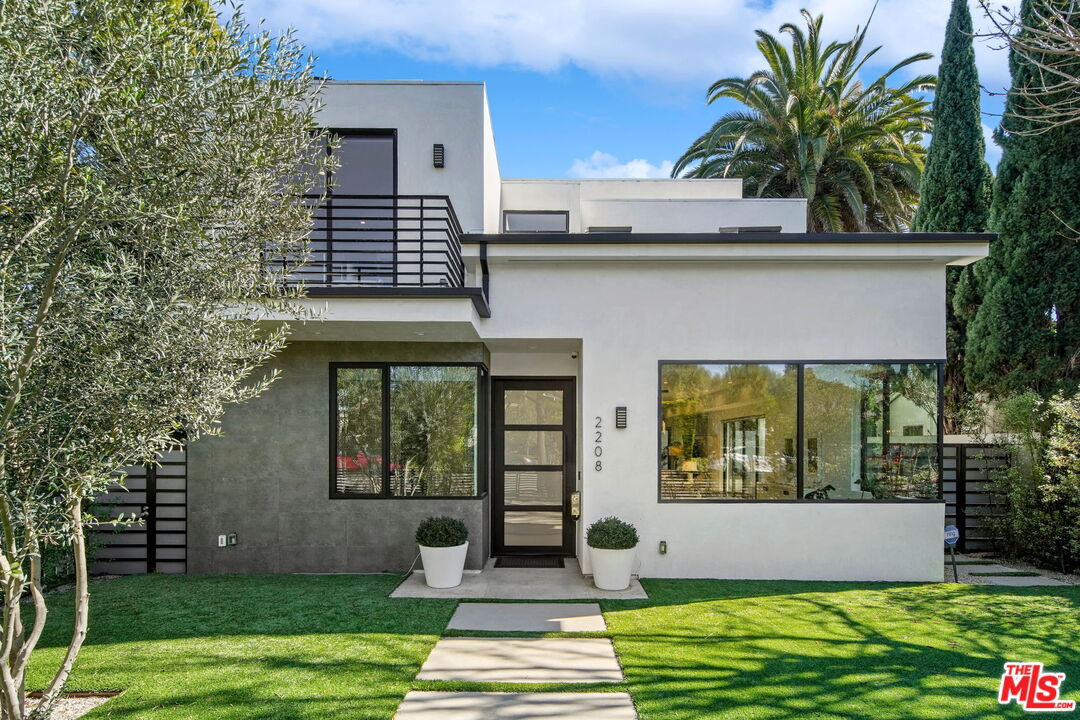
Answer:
(360, 241)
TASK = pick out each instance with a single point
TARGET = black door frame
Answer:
(569, 423)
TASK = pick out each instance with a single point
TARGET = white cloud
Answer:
(603, 165)
(684, 41)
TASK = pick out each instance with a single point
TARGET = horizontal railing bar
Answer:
(378, 241)
(388, 251)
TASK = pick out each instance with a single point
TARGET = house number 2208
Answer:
(598, 448)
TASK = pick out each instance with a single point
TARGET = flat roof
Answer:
(744, 238)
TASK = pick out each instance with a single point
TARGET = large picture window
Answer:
(406, 430)
(871, 431)
(800, 431)
(728, 431)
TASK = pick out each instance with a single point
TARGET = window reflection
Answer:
(433, 430)
(728, 431)
(871, 431)
(359, 431)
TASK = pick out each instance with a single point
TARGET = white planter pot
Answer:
(443, 565)
(612, 568)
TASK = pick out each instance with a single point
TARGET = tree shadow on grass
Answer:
(714, 649)
(246, 646)
(335, 646)
(159, 607)
(347, 676)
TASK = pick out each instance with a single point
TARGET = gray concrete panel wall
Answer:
(266, 478)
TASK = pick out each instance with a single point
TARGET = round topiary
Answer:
(611, 533)
(441, 532)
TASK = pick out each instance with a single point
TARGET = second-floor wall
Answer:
(418, 138)
(408, 120)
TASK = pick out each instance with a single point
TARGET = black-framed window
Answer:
(552, 221)
(407, 430)
(810, 431)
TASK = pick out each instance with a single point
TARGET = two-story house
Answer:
(532, 355)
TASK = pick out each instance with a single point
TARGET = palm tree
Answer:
(811, 129)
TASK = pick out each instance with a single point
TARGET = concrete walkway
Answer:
(522, 660)
(494, 583)
(973, 574)
(578, 660)
(528, 617)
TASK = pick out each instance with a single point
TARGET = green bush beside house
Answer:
(1040, 493)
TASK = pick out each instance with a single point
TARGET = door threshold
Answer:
(530, 561)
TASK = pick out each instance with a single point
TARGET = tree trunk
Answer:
(82, 606)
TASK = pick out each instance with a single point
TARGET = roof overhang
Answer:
(946, 248)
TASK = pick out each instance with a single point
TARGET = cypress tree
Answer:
(1023, 302)
(956, 182)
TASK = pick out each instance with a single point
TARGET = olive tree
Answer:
(153, 160)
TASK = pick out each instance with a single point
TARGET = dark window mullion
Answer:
(386, 431)
(800, 430)
(941, 434)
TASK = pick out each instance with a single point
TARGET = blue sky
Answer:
(596, 88)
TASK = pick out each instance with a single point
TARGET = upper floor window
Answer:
(552, 221)
(366, 163)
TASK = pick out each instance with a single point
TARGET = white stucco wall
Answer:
(492, 178)
(454, 114)
(794, 541)
(630, 316)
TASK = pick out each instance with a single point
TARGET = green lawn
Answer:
(715, 649)
(257, 646)
(335, 646)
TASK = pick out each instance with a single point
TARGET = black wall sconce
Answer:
(438, 155)
(620, 417)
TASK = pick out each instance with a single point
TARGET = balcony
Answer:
(363, 242)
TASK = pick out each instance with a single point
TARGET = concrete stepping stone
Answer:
(522, 660)
(980, 568)
(515, 706)
(528, 617)
(1020, 581)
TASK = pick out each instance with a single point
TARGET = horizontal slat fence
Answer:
(969, 471)
(158, 542)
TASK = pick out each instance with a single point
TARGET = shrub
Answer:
(1040, 492)
(441, 532)
(611, 533)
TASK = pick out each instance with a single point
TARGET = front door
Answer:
(533, 468)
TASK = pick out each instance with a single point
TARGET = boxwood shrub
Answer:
(611, 533)
(441, 532)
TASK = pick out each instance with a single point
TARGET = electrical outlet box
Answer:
(232, 538)
(222, 540)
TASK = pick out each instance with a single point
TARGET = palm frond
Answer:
(810, 128)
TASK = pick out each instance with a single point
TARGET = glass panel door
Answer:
(363, 230)
(534, 469)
